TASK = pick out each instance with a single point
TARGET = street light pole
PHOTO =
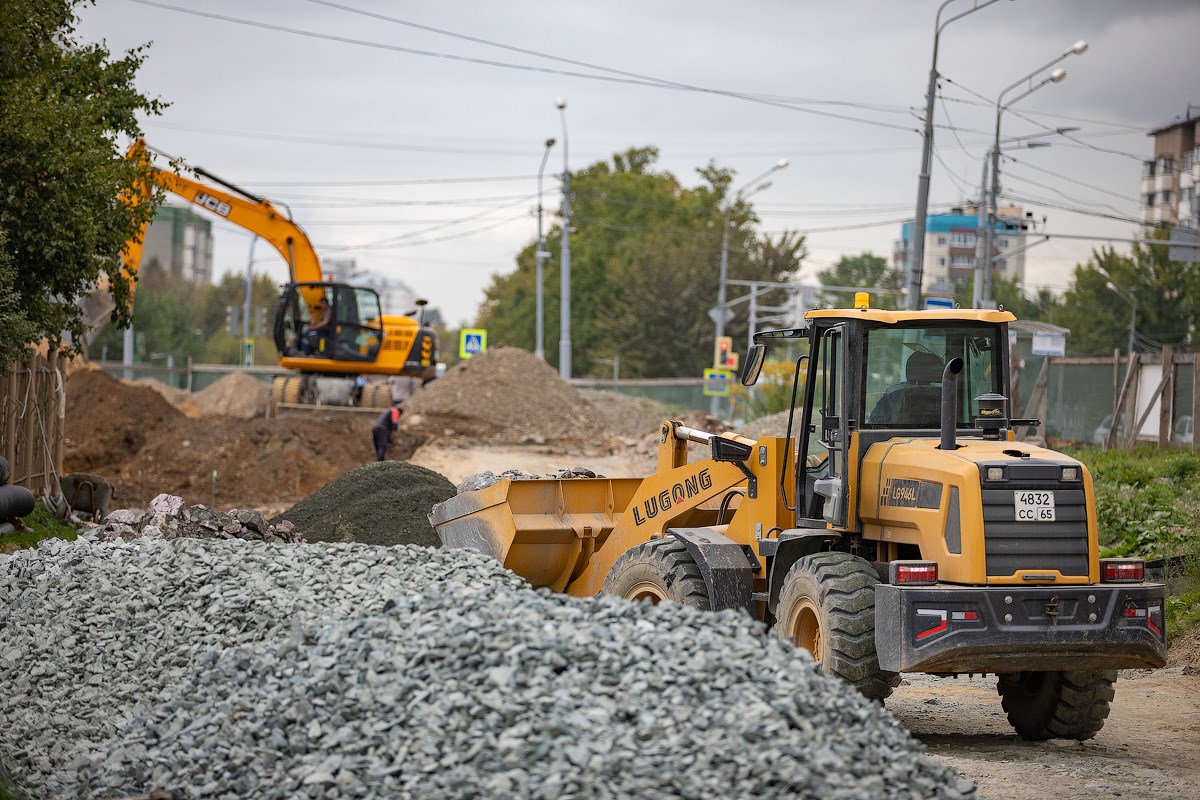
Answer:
(539, 256)
(564, 336)
(1128, 298)
(915, 262)
(738, 196)
(977, 292)
(1079, 48)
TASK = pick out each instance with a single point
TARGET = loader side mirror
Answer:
(729, 450)
(754, 362)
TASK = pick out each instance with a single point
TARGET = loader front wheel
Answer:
(1057, 704)
(658, 571)
(827, 607)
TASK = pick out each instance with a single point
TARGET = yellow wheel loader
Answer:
(897, 526)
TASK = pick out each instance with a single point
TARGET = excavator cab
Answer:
(354, 332)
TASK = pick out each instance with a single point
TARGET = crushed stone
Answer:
(328, 670)
(625, 414)
(166, 518)
(382, 503)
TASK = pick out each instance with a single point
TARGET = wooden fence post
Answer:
(1166, 403)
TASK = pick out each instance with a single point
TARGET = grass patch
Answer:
(41, 524)
(1148, 506)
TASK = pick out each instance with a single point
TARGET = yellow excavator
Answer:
(898, 526)
(332, 334)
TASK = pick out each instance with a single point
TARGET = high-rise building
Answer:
(180, 241)
(1170, 179)
(950, 247)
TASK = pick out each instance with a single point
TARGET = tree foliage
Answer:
(66, 202)
(645, 264)
(177, 317)
(1166, 294)
(866, 271)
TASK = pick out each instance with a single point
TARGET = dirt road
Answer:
(1149, 748)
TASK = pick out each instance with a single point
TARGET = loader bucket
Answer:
(544, 530)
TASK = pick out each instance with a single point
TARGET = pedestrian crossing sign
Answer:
(472, 342)
(718, 382)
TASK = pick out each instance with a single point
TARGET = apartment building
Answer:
(950, 247)
(1170, 179)
(180, 240)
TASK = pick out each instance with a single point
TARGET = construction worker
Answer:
(381, 432)
(311, 342)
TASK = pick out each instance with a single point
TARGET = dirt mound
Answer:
(180, 398)
(236, 395)
(109, 421)
(505, 394)
(770, 425)
(647, 444)
(258, 462)
(384, 503)
(627, 414)
(1185, 649)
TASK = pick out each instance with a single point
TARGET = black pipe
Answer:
(950, 402)
(15, 501)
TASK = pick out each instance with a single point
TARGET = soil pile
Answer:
(505, 394)
(384, 503)
(627, 415)
(770, 425)
(236, 395)
(1185, 649)
(109, 421)
(180, 398)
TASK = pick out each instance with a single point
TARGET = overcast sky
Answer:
(395, 145)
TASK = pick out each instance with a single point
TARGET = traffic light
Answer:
(723, 355)
(231, 320)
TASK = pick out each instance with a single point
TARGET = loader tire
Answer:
(658, 571)
(1057, 704)
(827, 607)
(292, 389)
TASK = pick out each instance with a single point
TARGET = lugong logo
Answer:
(668, 498)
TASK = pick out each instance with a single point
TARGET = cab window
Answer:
(904, 367)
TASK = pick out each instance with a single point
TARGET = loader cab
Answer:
(873, 376)
(354, 334)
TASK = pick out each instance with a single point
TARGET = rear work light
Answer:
(1122, 570)
(912, 573)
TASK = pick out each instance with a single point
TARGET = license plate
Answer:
(1034, 506)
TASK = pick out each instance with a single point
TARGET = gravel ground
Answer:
(235, 669)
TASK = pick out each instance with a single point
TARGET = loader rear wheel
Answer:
(658, 571)
(1057, 705)
(827, 607)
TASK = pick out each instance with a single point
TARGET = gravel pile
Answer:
(506, 394)
(238, 669)
(482, 480)
(91, 633)
(627, 415)
(166, 518)
(770, 425)
(383, 503)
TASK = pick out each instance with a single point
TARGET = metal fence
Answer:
(32, 411)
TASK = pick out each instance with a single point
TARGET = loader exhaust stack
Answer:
(949, 402)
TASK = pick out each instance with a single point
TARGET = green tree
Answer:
(1165, 293)
(866, 270)
(645, 258)
(1041, 305)
(67, 200)
(17, 327)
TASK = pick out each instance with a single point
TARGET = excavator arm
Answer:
(255, 214)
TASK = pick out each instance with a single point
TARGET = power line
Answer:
(617, 77)
(411, 182)
(1078, 182)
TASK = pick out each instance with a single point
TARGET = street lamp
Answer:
(539, 256)
(1079, 48)
(916, 251)
(981, 220)
(1133, 313)
(564, 335)
(749, 187)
